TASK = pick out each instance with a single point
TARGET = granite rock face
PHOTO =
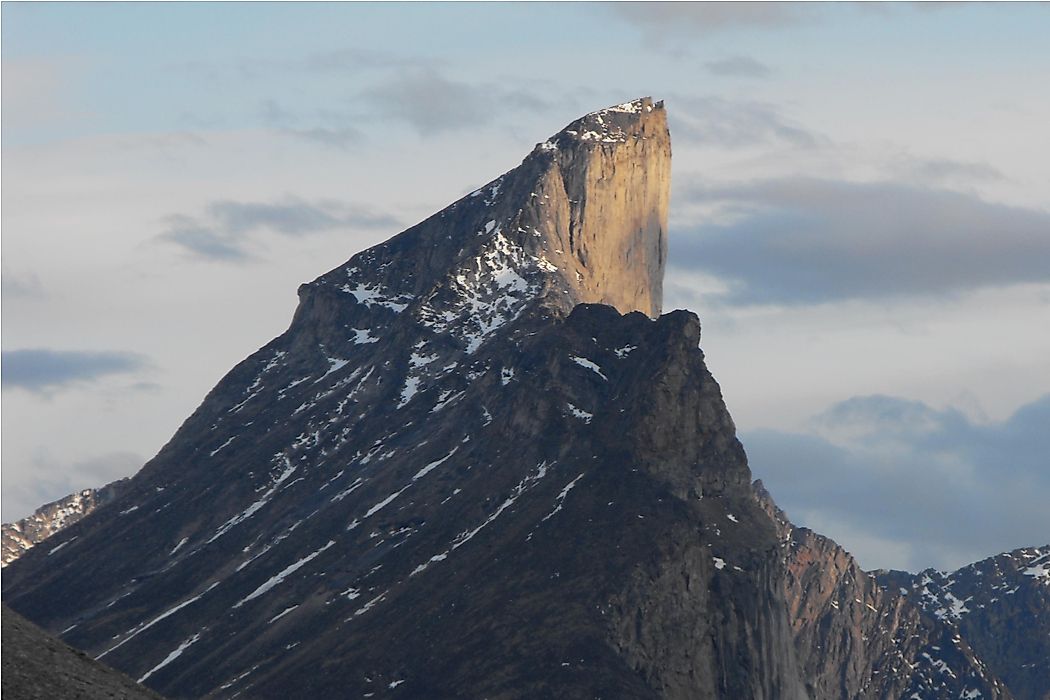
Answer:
(479, 463)
(52, 517)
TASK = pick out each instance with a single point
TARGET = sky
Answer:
(860, 216)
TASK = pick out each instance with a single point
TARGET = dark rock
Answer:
(36, 666)
(999, 606)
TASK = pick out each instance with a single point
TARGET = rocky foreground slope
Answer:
(36, 666)
(478, 464)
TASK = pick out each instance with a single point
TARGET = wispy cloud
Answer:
(224, 231)
(42, 370)
(20, 284)
(700, 18)
(340, 61)
(330, 129)
(731, 123)
(37, 93)
(431, 102)
(943, 171)
(803, 240)
(930, 485)
(738, 67)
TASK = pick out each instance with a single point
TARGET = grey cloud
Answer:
(736, 123)
(341, 137)
(940, 171)
(430, 102)
(328, 129)
(798, 241)
(343, 61)
(42, 370)
(202, 241)
(941, 488)
(20, 284)
(224, 232)
(738, 67)
(698, 18)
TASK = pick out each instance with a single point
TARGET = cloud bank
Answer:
(805, 240)
(225, 231)
(733, 123)
(41, 370)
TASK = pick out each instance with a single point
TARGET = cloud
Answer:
(804, 240)
(42, 370)
(738, 67)
(202, 241)
(736, 123)
(941, 171)
(341, 62)
(333, 130)
(432, 103)
(224, 232)
(925, 487)
(20, 284)
(36, 92)
(698, 18)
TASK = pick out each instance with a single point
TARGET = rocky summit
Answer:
(53, 517)
(480, 463)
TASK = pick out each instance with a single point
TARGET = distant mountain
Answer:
(36, 666)
(53, 517)
(855, 639)
(479, 463)
(1000, 606)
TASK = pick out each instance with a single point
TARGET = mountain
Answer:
(1000, 607)
(52, 517)
(36, 666)
(479, 463)
(856, 639)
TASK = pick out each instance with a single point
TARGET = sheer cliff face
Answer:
(855, 639)
(610, 188)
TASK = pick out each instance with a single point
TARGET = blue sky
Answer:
(860, 208)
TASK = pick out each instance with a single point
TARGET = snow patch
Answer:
(279, 578)
(171, 657)
(584, 362)
(579, 413)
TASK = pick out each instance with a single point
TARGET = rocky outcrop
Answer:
(856, 639)
(52, 517)
(36, 666)
(1000, 606)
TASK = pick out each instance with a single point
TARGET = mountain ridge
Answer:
(478, 462)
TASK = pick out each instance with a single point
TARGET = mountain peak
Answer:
(640, 118)
(583, 219)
